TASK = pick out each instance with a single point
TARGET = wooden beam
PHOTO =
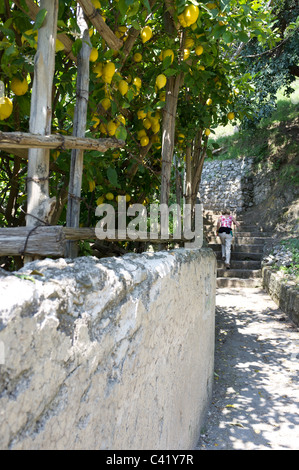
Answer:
(95, 18)
(56, 141)
(32, 241)
(89, 233)
(48, 240)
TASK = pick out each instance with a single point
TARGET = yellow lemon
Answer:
(137, 57)
(231, 116)
(189, 43)
(146, 34)
(141, 114)
(29, 32)
(146, 123)
(141, 134)
(56, 154)
(92, 185)
(144, 141)
(182, 20)
(96, 121)
(120, 120)
(98, 69)
(137, 82)
(181, 138)
(162, 96)
(93, 54)
(109, 196)
(108, 72)
(6, 108)
(116, 154)
(19, 87)
(96, 3)
(111, 128)
(161, 81)
(100, 200)
(59, 46)
(168, 53)
(103, 128)
(198, 50)
(191, 14)
(186, 54)
(155, 127)
(123, 87)
(106, 103)
(207, 132)
(128, 198)
(209, 102)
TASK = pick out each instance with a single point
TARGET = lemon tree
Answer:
(192, 45)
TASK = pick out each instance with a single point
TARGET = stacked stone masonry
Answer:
(236, 184)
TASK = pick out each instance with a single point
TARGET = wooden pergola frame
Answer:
(39, 140)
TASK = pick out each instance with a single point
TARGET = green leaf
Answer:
(112, 177)
(243, 36)
(121, 133)
(76, 46)
(228, 37)
(40, 17)
(170, 72)
(147, 5)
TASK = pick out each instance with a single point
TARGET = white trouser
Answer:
(226, 242)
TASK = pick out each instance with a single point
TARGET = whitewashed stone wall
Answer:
(107, 354)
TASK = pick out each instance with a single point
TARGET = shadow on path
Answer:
(255, 404)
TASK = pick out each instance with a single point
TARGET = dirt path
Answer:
(255, 404)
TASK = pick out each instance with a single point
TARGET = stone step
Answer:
(239, 273)
(241, 240)
(241, 264)
(238, 256)
(239, 248)
(210, 231)
(236, 282)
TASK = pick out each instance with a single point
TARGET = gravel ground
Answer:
(255, 403)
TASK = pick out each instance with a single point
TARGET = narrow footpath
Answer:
(255, 403)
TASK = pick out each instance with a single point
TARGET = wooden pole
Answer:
(76, 170)
(39, 205)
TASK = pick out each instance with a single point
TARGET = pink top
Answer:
(226, 221)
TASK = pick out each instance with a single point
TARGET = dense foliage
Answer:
(200, 42)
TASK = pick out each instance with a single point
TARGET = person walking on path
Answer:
(224, 231)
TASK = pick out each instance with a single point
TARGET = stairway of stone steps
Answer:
(246, 253)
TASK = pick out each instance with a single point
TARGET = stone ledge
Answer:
(283, 292)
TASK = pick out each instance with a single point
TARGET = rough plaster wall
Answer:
(111, 354)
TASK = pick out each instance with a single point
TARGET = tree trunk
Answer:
(76, 171)
(39, 205)
(168, 131)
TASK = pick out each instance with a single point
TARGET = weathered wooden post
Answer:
(39, 204)
(79, 128)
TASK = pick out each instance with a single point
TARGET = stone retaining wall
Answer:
(107, 354)
(235, 184)
(284, 293)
